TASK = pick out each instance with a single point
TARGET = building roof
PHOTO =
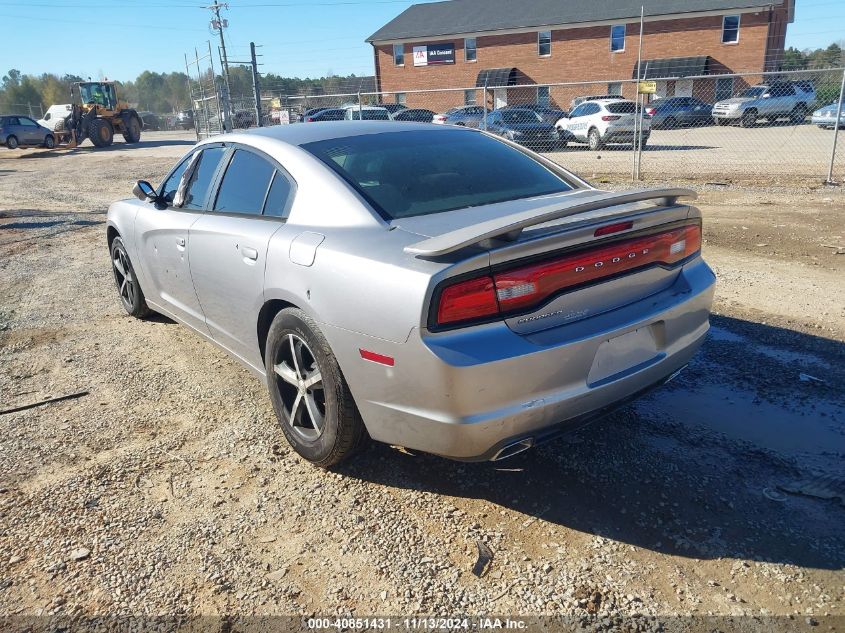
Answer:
(454, 17)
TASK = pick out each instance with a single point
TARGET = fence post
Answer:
(256, 86)
(191, 97)
(360, 107)
(635, 167)
(484, 98)
(829, 180)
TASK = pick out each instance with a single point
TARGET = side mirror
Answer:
(144, 191)
(767, 95)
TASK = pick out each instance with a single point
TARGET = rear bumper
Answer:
(623, 136)
(466, 394)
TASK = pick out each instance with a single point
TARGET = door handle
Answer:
(249, 253)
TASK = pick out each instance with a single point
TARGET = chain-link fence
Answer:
(32, 110)
(730, 128)
(208, 96)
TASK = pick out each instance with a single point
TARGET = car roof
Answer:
(303, 134)
(366, 107)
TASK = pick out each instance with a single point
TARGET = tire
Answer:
(49, 141)
(670, 124)
(722, 121)
(128, 288)
(749, 118)
(594, 140)
(101, 132)
(643, 142)
(320, 422)
(132, 130)
(12, 142)
(798, 114)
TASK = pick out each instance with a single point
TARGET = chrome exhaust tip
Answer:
(513, 449)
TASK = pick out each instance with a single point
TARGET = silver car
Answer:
(430, 287)
(21, 131)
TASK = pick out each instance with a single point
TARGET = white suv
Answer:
(603, 121)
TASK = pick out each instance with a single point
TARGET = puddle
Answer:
(785, 356)
(814, 436)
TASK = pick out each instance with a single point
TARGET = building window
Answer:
(614, 88)
(399, 54)
(730, 29)
(401, 98)
(470, 52)
(724, 88)
(617, 38)
(543, 97)
(544, 43)
(469, 97)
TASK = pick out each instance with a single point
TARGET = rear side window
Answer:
(202, 178)
(277, 200)
(244, 184)
(623, 107)
(420, 172)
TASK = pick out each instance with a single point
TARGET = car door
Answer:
(229, 247)
(162, 236)
(575, 123)
(30, 131)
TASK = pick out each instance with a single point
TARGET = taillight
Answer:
(467, 300)
(525, 287)
(608, 117)
(650, 111)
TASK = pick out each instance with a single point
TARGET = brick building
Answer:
(501, 43)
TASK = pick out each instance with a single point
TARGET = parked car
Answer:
(21, 131)
(54, 118)
(393, 108)
(327, 114)
(825, 117)
(480, 327)
(465, 116)
(671, 112)
(549, 115)
(185, 120)
(525, 127)
(149, 121)
(242, 119)
(366, 113)
(598, 123)
(792, 100)
(579, 100)
(418, 115)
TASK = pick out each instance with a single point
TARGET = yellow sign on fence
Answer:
(647, 87)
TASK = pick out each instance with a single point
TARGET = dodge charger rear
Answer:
(438, 288)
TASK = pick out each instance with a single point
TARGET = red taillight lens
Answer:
(467, 300)
(608, 117)
(650, 111)
(527, 286)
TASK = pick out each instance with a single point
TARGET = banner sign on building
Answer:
(434, 54)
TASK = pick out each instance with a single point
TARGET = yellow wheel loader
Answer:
(97, 114)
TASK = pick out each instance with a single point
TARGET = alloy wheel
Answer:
(300, 384)
(124, 278)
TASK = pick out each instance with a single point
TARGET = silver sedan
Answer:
(430, 287)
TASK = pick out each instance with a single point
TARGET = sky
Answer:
(118, 39)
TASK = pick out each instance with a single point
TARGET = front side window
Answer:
(411, 173)
(244, 184)
(544, 43)
(543, 96)
(470, 52)
(167, 191)
(399, 54)
(469, 97)
(202, 178)
(730, 29)
(617, 38)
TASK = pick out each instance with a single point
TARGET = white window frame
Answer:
(539, 37)
(614, 88)
(401, 98)
(470, 97)
(738, 24)
(401, 48)
(474, 41)
(624, 37)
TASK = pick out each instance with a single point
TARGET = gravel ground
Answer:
(168, 490)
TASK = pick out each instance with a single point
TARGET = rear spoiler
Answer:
(510, 226)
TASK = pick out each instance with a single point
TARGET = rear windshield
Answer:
(419, 172)
(520, 116)
(370, 115)
(622, 107)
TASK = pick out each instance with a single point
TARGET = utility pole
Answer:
(255, 85)
(218, 24)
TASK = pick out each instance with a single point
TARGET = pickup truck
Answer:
(767, 101)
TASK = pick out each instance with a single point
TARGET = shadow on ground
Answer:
(665, 484)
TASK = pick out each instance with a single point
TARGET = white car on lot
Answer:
(603, 121)
(55, 116)
(367, 113)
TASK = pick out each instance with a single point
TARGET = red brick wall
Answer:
(582, 55)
